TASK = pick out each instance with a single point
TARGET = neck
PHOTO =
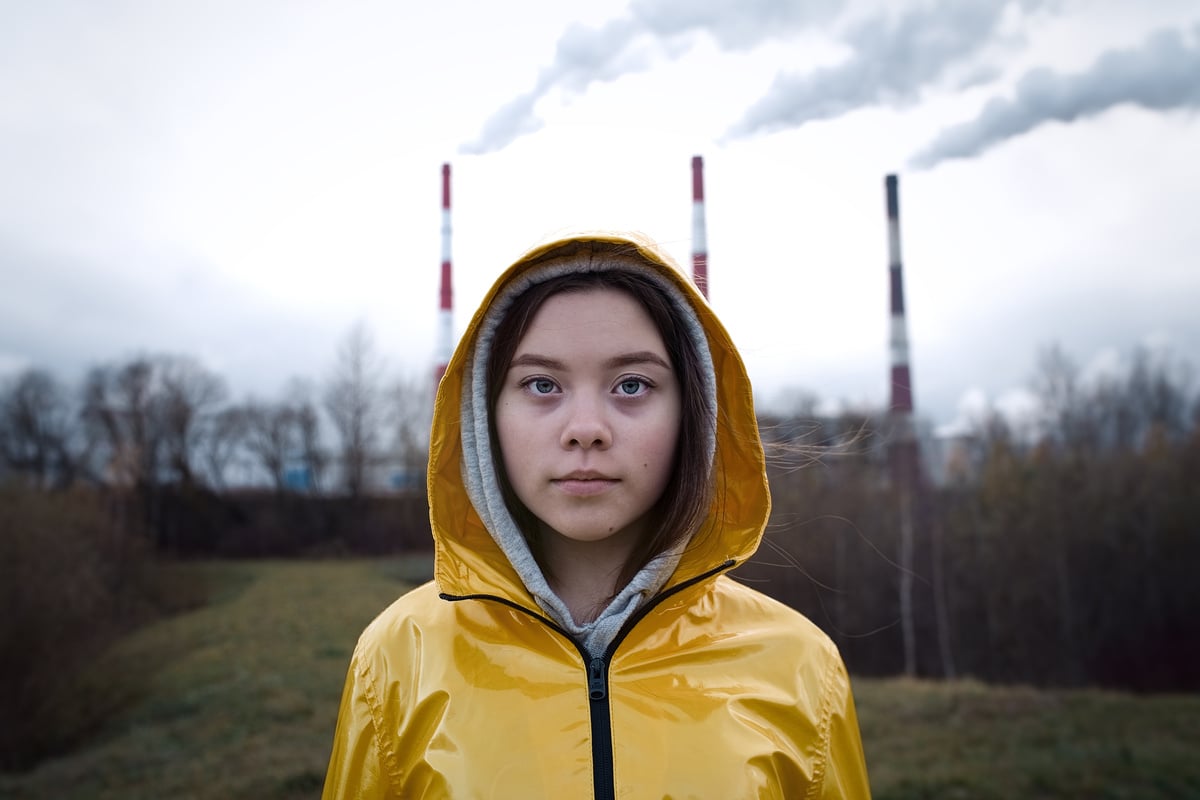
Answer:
(584, 574)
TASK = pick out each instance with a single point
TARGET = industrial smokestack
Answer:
(902, 396)
(699, 233)
(445, 343)
(902, 445)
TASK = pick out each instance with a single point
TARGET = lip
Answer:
(585, 483)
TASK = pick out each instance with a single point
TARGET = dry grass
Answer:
(242, 705)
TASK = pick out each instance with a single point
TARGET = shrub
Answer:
(73, 577)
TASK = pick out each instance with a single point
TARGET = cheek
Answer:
(508, 423)
(512, 440)
(658, 454)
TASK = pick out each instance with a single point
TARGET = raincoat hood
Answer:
(469, 559)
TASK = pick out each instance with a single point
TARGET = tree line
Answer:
(1058, 549)
(166, 420)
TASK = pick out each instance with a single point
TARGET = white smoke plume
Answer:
(1161, 75)
(626, 45)
(896, 53)
(892, 60)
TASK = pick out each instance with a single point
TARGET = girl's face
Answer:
(588, 416)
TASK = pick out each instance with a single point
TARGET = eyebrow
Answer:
(623, 360)
(633, 359)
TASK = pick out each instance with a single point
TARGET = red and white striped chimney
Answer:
(445, 343)
(699, 233)
(902, 395)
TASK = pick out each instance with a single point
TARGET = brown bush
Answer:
(72, 578)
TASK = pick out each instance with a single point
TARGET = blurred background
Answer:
(237, 241)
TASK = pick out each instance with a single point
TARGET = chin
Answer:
(584, 534)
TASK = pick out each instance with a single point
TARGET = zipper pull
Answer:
(597, 679)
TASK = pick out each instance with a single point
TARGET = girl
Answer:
(595, 470)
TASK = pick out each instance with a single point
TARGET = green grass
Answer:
(968, 740)
(238, 699)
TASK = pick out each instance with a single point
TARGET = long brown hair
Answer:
(685, 501)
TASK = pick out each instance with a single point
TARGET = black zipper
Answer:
(603, 779)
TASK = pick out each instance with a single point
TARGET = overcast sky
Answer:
(244, 181)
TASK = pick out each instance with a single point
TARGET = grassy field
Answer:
(238, 698)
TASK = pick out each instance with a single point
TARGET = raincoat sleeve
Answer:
(359, 767)
(845, 773)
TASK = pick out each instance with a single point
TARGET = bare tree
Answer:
(1157, 391)
(411, 411)
(271, 438)
(188, 397)
(146, 418)
(312, 454)
(224, 433)
(352, 401)
(284, 438)
(36, 429)
(121, 419)
(1056, 384)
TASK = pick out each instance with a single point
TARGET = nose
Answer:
(586, 425)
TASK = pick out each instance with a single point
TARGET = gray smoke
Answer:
(734, 25)
(892, 59)
(1162, 74)
(624, 46)
(583, 56)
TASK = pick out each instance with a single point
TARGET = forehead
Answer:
(600, 316)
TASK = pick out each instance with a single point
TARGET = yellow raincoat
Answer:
(464, 688)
